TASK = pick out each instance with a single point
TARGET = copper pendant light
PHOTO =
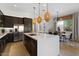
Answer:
(47, 15)
(39, 18)
(34, 20)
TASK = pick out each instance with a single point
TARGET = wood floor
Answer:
(69, 49)
(15, 49)
(18, 49)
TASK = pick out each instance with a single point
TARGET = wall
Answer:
(6, 29)
(78, 25)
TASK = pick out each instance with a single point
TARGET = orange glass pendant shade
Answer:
(47, 16)
(34, 21)
(39, 19)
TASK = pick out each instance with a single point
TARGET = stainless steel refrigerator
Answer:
(18, 32)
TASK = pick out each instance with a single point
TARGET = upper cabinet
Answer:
(17, 20)
(8, 22)
(27, 24)
(1, 18)
(20, 20)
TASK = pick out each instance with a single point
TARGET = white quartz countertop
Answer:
(39, 36)
(2, 35)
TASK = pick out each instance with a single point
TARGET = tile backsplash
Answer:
(6, 29)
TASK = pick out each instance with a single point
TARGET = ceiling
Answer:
(26, 9)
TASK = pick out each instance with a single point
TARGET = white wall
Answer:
(78, 25)
(6, 29)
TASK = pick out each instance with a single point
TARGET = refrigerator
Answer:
(18, 32)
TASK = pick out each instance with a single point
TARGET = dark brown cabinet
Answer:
(1, 18)
(10, 37)
(17, 20)
(20, 20)
(27, 43)
(27, 25)
(1, 46)
(31, 45)
(4, 40)
(8, 22)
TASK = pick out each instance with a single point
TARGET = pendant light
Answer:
(39, 18)
(56, 21)
(57, 16)
(34, 20)
(47, 15)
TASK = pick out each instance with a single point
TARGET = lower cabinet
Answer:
(1, 46)
(31, 45)
(4, 40)
(10, 37)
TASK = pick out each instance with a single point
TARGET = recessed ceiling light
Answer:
(15, 5)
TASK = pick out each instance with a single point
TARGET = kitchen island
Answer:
(41, 44)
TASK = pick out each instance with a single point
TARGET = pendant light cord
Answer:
(34, 11)
(39, 9)
(47, 6)
(57, 15)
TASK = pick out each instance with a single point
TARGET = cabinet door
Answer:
(3, 43)
(10, 37)
(20, 20)
(8, 21)
(1, 18)
(33, 47)
(1, 46)
(27, 25)
(28, 43)
(15, 20)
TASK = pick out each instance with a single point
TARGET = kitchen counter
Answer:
(47, 45)
(4, 39)
(2, 35)
(38, 36)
